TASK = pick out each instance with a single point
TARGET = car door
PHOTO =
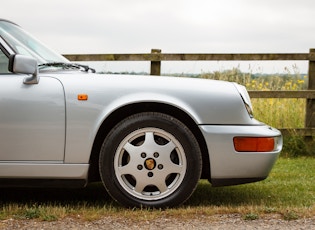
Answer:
(32, 118)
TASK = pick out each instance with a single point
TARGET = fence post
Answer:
(155, 65)
(310, 103)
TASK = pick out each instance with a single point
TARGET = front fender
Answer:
(205, 101)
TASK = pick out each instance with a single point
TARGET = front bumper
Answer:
(229, 167)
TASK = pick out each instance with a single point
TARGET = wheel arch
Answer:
(130, 109)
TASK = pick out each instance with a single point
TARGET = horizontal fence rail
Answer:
(308, 94)
(188, 57)
(156, 57)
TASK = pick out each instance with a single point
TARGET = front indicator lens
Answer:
(254, 144)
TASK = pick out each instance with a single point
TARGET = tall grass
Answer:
(277, 112)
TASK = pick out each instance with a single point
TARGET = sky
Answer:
(174, 26)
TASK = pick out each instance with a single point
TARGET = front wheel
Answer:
(150, 160)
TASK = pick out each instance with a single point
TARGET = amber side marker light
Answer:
(82, 97)
(254, 144)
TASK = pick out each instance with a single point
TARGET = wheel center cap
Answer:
(149, 164)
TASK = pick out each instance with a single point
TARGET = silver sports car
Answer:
(148, 139)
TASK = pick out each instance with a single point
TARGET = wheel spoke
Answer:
(173, 168)
(165, 159)
(126, 169)
(161, 185)
(149, 141)
(140, 185)
(166, 150)
(131, 149)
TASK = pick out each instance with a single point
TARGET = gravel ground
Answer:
(203, 222)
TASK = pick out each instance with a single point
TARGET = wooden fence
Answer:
(156, 57)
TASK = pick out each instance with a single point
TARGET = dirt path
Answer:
(202, 222)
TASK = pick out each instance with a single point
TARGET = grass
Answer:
(289, 192)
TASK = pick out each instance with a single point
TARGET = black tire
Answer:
(150, 160)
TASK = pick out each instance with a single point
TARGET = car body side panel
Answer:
(210, 103)
(32, 119)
